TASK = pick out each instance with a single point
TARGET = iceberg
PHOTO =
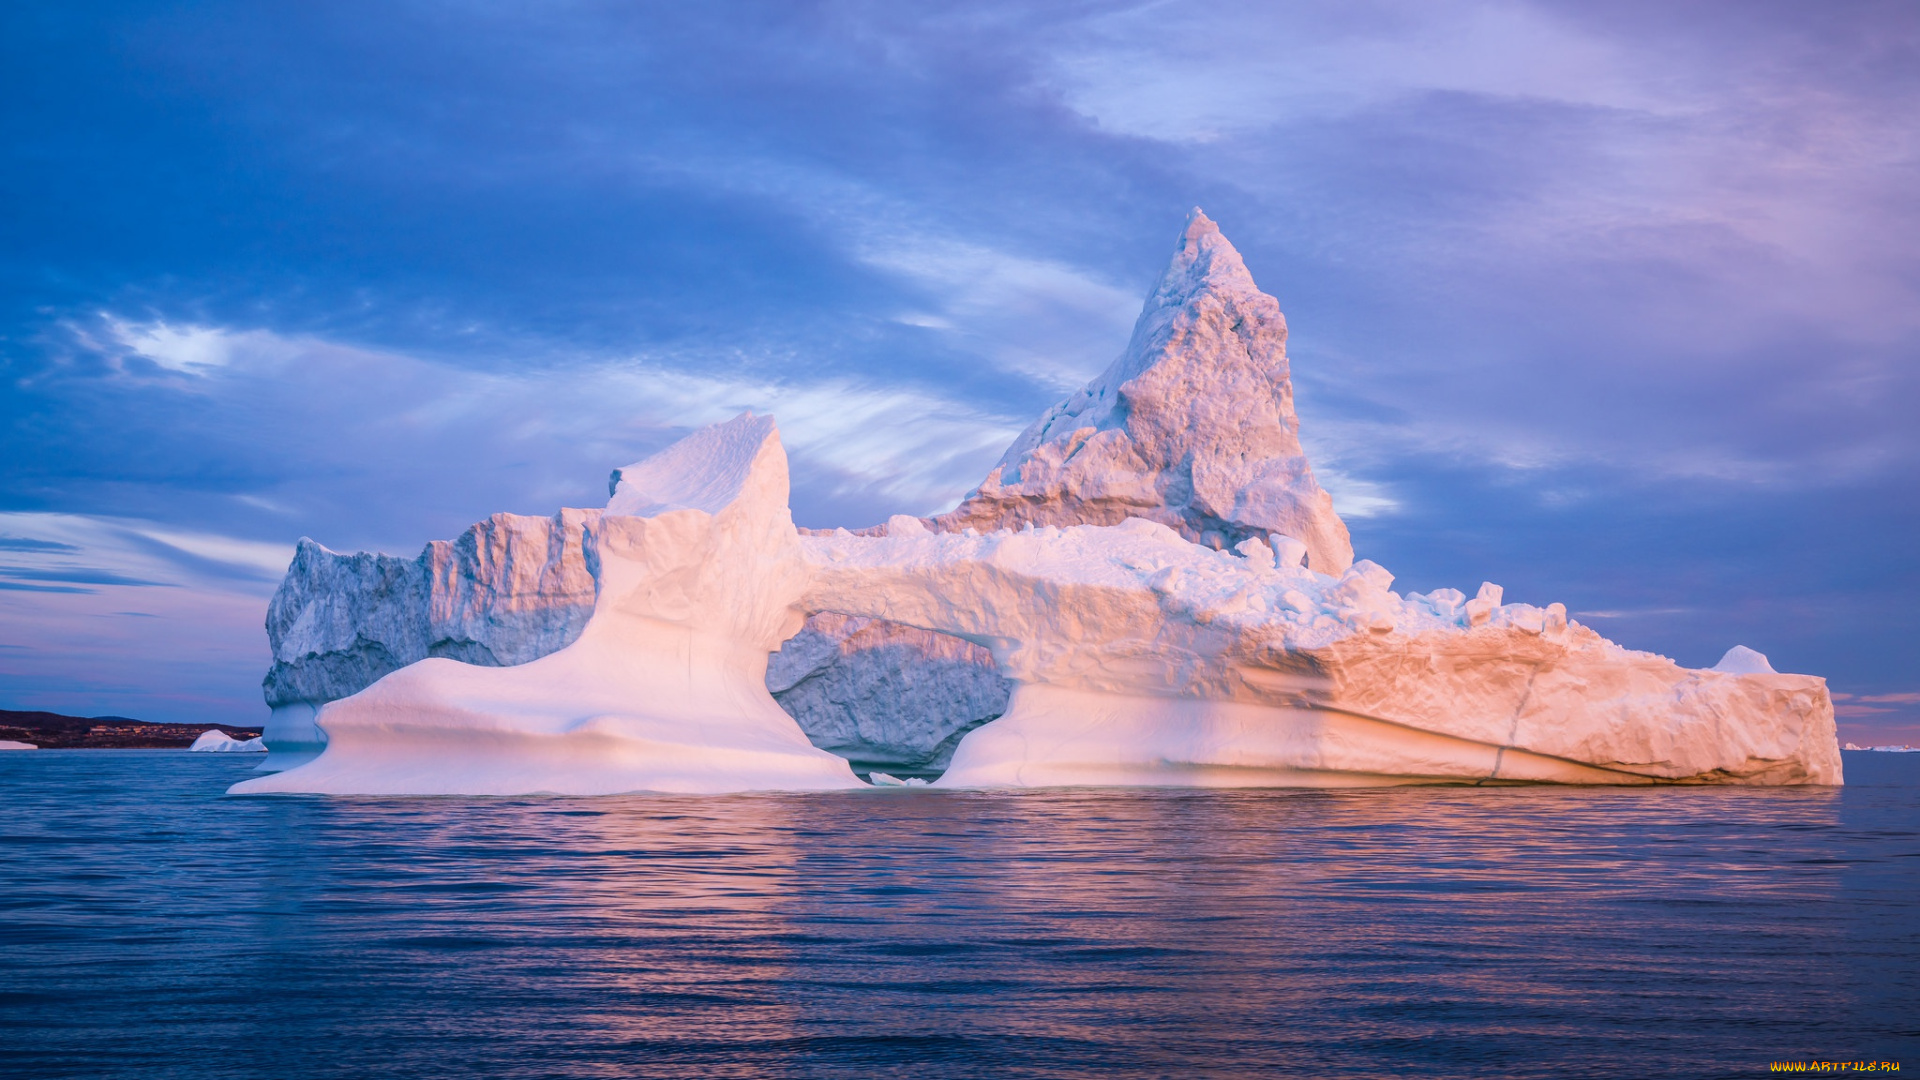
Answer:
(697, 565)
(215, 741)
(1149, 588)
(15, 744)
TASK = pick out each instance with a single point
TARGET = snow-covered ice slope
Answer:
(1142, 658)
(697, 565)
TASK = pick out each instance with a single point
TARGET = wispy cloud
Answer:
(895, 444)
(85, 550)
(189, 349)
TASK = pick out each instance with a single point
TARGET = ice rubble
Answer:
(697, 566)
(215, 741)
(1128, 649)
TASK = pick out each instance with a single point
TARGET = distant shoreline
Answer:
(56, 731)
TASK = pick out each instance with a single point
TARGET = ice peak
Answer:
(1192, 426)
(1204, 261)
(1741, 660)
(705, 471)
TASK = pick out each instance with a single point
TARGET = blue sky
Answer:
(1617, 305)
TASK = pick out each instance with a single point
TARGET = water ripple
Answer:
(154, 928)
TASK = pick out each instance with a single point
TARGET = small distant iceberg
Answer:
(1884, 749)
(10, 744)
(215, 741)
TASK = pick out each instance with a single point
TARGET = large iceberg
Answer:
(697, 568)
(1150, 587)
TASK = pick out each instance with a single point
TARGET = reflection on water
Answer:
(152, 928)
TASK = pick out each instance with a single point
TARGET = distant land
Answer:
(53, 731)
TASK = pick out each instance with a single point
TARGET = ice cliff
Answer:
(1136, 655)
(510, 589)
(697, 568)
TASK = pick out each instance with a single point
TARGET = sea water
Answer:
(152, 927)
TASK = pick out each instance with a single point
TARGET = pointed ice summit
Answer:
(1193, 426)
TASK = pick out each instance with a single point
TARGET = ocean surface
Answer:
(151, 927)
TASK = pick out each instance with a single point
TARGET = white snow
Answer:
(881, 779)
(215, 741)
(1741, 660)
(698, 566)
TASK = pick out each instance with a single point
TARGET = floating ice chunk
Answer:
(881, 779)
(215, 741)
(9, 744)
(1741, 660)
